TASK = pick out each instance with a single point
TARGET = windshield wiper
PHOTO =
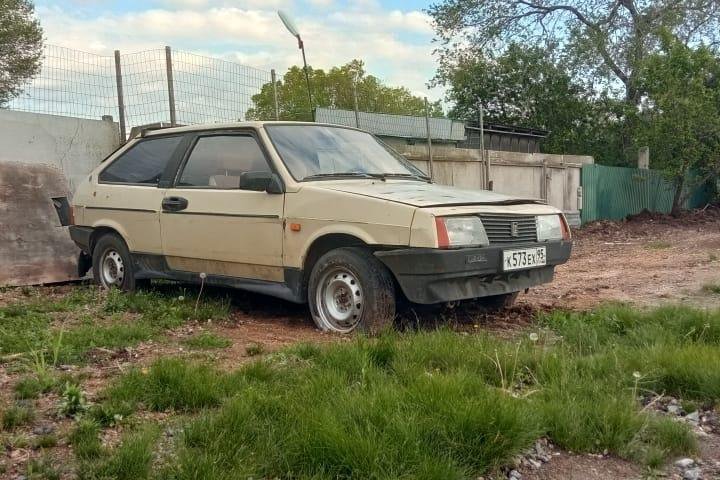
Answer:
(340, 175)
(402, 175)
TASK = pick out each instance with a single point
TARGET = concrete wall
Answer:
(554, 178)
(41, 157)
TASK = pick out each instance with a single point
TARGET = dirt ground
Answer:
(648, 260)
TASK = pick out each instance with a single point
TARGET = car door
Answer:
(209, 224)
(127, 195)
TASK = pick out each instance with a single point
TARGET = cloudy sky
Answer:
(393, 37)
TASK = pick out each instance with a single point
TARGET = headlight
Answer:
(551, 227)
(460, 232)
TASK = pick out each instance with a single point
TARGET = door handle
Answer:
(174, 204)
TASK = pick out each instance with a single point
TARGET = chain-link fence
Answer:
(160, 85)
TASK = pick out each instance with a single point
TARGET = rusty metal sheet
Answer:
(34, 247)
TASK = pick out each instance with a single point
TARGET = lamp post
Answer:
(287, 21)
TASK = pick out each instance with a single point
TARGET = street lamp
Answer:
(287, 21)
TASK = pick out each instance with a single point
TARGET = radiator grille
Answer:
(499, 228)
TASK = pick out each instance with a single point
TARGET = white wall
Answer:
(73, 145)
(41, 157)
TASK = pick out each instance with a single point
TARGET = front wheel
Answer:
(112, 265)
(350, 289)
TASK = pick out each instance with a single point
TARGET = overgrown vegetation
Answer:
(206, 341)
(436, 404)
(51, 331)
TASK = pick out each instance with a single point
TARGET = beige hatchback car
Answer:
(307, 212)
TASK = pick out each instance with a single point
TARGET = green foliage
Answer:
(680, 119)
(29, 387)
(17, 416)
(113, 321)
(41, 469)
(21, 44)
(72, 401)
(206, 341)
(334, 89)
(254, 349)
(131, 460)
(85, 440)
(47, 440)
(439, 404)
(528, 86)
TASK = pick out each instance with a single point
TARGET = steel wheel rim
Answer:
(112, 271)
(340, 300)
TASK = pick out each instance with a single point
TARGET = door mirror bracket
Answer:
(261, 182)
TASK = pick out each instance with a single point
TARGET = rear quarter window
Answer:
(143, 164)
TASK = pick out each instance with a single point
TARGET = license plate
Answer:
(524, 258)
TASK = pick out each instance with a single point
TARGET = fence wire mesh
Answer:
(213, 90)
(71, 83)
(84, 85)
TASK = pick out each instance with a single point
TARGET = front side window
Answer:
(218, 161)
(144, 163)
(314, 151)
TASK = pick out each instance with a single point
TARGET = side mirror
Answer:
(260, 182)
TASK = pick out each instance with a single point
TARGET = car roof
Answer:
(225, 126)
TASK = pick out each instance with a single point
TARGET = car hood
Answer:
(421, 194)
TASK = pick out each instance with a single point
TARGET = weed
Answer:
(29, 387)
(73, 401)
(17, 416)
(131, 460)
(712, 257)
(253, 349)
(41, 469)
(47, 440)
(85, 440)
(712, 288)
(206, 341)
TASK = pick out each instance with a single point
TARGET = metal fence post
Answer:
(355, 102)
(171, 88)
(273, 78)
(485, 158)
(121, 101)
(429, 139)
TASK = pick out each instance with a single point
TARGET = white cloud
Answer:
(212, 28)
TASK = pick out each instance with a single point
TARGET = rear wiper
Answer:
(340, 175)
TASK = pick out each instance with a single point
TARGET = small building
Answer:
(504, 138)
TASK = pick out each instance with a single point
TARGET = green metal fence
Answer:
(613, 193)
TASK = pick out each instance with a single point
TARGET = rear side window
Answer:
(143, 164)
(218, 161)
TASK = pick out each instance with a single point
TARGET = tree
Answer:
(528, 87)
(334, 89)
(680, 115)
(603, 39)
(21, 46)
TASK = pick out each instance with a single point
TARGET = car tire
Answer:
(112, 264)
(496, 303)
(349, 289)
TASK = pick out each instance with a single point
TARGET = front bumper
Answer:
(429, 275)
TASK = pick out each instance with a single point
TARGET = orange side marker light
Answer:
(295, 227)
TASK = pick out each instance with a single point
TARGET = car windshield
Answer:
(320, 151)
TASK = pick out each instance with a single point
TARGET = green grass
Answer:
(85, 440)
(17, 416)
(436, 404)
(206, 341)
(112, 320)
(131, 460)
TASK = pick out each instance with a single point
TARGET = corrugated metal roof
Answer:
(403, 126)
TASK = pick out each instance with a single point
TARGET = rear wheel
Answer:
(112, 265)
(350, 289)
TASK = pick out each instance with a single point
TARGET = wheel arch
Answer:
(100, 230)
